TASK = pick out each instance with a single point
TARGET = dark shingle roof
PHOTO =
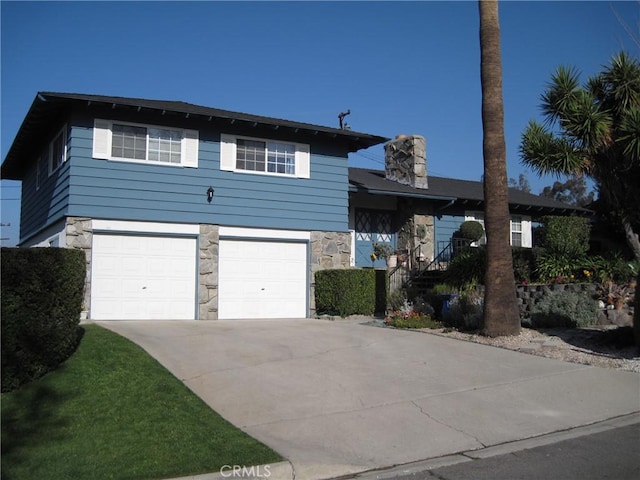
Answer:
(464, 192)
(47, 106)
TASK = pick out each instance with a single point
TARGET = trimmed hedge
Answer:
(565, 236)
(346, 292)
(471, 230)
(42, 291)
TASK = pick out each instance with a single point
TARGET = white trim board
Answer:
(145, 227)
(241, 232)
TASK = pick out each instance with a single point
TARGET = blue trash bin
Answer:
(446, 298)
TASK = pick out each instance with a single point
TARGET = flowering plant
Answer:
(409, 317)
(382, 250)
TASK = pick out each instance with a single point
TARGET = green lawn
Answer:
(112, 411)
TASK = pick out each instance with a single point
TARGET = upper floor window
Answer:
(57, 151)
(241, 154)
(145, 143)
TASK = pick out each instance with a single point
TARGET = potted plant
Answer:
(384, 250)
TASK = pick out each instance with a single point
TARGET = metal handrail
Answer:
(444, 256)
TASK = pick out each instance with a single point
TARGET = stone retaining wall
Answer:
(530, 295)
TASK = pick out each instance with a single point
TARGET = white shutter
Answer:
(227, 152)
(101, 139)
(527, 240)
(190, 148)
(303, 161)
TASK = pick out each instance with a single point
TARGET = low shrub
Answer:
(413, 321)
(564, 309)
(551, 266)
(523, 264)
(613, 267)
(466, 311)
(396, 300)
(434, 296)
(467, 268)
(346, 292)
(42, 290)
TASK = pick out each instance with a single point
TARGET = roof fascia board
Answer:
(400, 194)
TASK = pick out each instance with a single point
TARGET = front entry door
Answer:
(372, 226)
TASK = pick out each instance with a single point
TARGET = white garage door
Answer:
(143, 277)
(259, 279)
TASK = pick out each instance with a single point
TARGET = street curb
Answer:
(495, 450)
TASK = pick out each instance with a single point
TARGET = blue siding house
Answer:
(191, 212)
(184, 211)
(417, 214)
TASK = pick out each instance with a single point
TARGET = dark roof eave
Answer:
(426, 196)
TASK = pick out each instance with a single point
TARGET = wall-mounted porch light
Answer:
(210, 194)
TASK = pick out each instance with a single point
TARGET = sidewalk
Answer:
(338, 398)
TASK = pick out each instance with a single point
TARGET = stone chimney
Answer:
(405, 160)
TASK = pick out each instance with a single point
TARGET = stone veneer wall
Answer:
(208, 272)
(328, 250)
(406, 160)
(79, 235)
(428, 241)
(530, 295)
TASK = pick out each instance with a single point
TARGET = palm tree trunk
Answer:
(501, 313)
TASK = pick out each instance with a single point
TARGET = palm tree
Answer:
(501, 313)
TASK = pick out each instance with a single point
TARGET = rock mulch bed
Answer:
(606, 347)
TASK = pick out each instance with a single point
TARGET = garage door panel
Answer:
(143, 277)
(262, 279)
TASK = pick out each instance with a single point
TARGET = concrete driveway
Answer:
(336, 398)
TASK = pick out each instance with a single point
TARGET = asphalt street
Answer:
(613, 454)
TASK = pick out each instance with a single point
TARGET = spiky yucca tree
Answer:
(594, 130)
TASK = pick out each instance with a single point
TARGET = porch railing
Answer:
(416, 263)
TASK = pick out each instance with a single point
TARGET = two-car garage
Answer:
(155, 275)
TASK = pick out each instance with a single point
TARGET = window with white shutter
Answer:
(264, 156)
(131, 142)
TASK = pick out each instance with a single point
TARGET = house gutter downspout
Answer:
(447, 205)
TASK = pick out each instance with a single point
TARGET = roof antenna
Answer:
(344, 126)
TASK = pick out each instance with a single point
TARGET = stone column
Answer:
(79, 235)
(425, 235)
(328, 250)
(208, 275)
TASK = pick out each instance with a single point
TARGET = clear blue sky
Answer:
(401, 67)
